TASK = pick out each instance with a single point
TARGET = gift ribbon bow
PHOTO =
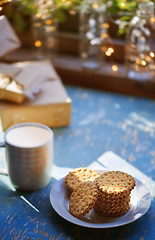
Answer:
(10, 90)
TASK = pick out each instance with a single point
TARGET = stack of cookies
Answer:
(114, 189)
(108, 194)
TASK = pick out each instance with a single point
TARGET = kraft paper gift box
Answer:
(8, 38)
(51, 106)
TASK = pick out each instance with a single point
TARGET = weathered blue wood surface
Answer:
(100, 122)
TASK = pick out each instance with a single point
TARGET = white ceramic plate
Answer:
(140, 203)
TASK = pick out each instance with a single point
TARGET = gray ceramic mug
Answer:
(29, 155)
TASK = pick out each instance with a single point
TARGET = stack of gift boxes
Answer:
(30, 91)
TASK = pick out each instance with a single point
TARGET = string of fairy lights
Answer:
(108, 51)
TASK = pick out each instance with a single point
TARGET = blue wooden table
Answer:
(101, 123)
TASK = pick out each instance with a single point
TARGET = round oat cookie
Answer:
(115, 182)
(83, 199)
(79, 175)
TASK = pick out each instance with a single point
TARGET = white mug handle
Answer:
(3, 171)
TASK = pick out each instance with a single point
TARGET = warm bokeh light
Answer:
(123, 4)
(104, 35)
(95, 5)
(114, 68)
(105, 25)
(48, 22)
(72, 12)
(107, 53)
(38, 43)
(38, 15)
(153, 19)
(1, 8)
(152, 54)
(143, 62)
(111, 50)
(148, 59)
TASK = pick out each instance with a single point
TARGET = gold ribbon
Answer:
(10, 90)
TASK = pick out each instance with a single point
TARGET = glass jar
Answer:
(44, 30)
(140, 44)
(92, 32)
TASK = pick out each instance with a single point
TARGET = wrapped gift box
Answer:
(45, 102)
(51, 107)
